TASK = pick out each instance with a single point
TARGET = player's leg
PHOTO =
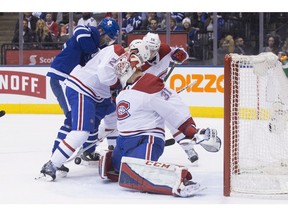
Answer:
(58, 90)
(103, 109)
(145, 147)
(83, 114)
(156, 177)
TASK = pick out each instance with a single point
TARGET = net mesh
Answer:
(259, 134)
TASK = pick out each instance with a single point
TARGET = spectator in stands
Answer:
(174, 26)
(186, 24)
(153, 25)
(146, 21)
(43, 36)
(31, 21)
(87, 19)
(132, 21)
(113, 15)
(178, 16)
(272, 45)
(284, 48)
(64, 34)
(240, 46)
(226, 46)
(52, 26)
(28, 36)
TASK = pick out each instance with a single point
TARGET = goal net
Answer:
(255, 125)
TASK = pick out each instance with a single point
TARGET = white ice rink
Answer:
(25, 145)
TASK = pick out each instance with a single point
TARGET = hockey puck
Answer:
(77, 160)
(169, 142)
(2, 113)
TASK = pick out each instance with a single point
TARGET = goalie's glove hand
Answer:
(179, 55)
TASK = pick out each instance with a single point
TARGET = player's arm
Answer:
(84, 38)
(170, 106)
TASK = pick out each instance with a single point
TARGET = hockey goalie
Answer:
(143, 106)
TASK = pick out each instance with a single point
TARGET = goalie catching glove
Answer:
(179, 55)
(207, 138)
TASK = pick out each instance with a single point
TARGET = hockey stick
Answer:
(188, 86)
(81, 149)
(2, 113)
(172, 141)
(169, 72)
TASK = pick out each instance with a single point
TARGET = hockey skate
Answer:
(62, 171)
(87, 159)
(48, 172)
(188, 189)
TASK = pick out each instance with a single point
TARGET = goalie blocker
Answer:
(149, 176)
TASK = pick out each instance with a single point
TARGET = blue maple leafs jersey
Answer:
(79, 49)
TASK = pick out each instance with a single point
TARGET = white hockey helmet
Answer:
(154, 42)
(141, 49)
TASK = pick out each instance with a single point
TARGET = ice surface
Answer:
(25, 145)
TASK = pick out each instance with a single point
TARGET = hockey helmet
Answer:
(110, 27)
(141, 49)
(154, 42)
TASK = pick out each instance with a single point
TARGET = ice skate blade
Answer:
(46, 178)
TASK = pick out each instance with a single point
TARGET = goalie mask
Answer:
(141, 49)
(132, 60)
(154, 42)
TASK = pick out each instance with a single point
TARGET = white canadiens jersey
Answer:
(161, 63)
(96, 77)
(143, 107)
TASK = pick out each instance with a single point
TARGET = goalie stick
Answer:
(172, 141)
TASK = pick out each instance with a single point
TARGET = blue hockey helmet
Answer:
(110, 27)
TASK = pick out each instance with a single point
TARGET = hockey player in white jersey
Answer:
(88, 93)
(143, 106)
(161, 56)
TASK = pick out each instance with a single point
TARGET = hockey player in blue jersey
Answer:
(78, 50)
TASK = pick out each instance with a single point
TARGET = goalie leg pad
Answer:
(106, 170)
(156, 177)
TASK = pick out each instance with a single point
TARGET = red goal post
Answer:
(255, 125)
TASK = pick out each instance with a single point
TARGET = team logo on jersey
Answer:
(122, 110)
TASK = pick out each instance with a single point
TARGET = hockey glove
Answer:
(179, 56)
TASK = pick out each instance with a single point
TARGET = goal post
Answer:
(255, 125)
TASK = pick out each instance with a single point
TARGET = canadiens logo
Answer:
(123, 110)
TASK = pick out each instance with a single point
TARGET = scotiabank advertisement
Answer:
(199, 87)
(31, 57)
